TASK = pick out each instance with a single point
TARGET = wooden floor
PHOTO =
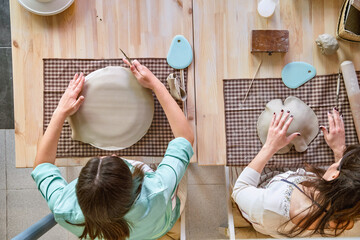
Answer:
(219, 32)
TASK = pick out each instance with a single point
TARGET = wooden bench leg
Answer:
(231, 228)
(182, 227)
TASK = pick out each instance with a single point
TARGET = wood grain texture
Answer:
(88, 29)
(356, 4)
(269, 41)
(222, 44)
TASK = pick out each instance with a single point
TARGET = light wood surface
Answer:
(222, 45)
(222, 48)
(88, 29)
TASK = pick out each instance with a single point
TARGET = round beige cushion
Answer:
(117, 111)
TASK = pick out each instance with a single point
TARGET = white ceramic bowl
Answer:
(46, 7)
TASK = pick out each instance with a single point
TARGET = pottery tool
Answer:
(353, 92)
(295, 74)
(269, 41)
(252, 81)
(176, 90)
(338, 89)
(127, 58)
(180, 56)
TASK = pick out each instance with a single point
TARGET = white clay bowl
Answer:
(46, 7)
(117, 111)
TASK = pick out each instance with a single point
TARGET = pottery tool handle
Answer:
(338, 89)
(183, 87)
(353, 92)
(252, 81)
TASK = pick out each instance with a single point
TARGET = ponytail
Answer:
(106, 191)
(118, 229)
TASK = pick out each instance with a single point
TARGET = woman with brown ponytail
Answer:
(115, 198)
(312, 202)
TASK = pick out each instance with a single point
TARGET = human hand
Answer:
(70, 102)
(335, 136)
(276, 137)
(144, 76)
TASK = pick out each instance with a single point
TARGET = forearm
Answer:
(338, 154)
(261, 159)
(46, 152)
(178, 123)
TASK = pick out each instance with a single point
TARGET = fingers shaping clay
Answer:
(117, 111)
(305, 121)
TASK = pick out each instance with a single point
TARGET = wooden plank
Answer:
(223, 50)
(352, 20)
(269, 41)
(356, 4)
(88, 29)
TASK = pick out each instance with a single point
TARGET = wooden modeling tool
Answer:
(252, 81)
(127, 58)
(180, 56)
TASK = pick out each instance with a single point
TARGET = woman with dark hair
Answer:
(301, 203)
(115, 198)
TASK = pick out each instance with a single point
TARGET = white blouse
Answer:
(268, 208)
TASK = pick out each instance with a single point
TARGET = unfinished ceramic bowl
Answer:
(117, 111)
(46, 7)
(305, 121)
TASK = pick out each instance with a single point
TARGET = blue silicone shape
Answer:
(180, 54)
(295, 74)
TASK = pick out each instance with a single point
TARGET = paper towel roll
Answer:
(353, 92)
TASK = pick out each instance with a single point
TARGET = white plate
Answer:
(46, 7)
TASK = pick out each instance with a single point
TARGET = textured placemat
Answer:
(242, 141)
(58, 73)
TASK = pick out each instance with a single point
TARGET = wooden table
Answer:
(88, 29)
(218, 30)
(222, 45)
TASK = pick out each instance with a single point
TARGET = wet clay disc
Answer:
(117, 111)
(305, 121)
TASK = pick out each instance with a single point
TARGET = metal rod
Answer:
(38, 229)
(338, 89)
(183, 86)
